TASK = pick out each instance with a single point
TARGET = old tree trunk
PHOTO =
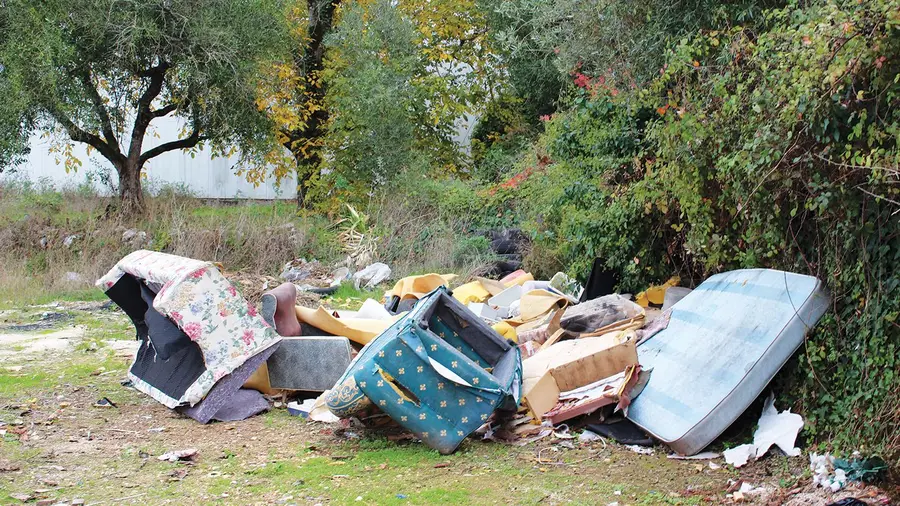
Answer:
(305, 142)
(130, 163)
(131, 195)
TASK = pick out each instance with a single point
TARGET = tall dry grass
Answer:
(254, 237)
(59, 242)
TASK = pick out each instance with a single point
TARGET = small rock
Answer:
(46, 502)
(77, 502)
(21, 497)
(69, 240)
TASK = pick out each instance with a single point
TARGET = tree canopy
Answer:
(99, 72)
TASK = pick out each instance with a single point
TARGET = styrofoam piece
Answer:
(301, 409)
(725, 341)
(535, 285)
(373, 309)
(514, 309)
(507, 297)
(484, 311)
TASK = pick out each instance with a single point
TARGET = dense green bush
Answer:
(771, 147)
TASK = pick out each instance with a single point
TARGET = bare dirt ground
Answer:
(57, 361)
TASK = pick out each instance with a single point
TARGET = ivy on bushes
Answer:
(766, 146)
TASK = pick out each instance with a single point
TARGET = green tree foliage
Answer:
(531, 73)
(99, 72)
(503, 131)
(397, 85)
(547, 40)
(378, 112)
(292, 94)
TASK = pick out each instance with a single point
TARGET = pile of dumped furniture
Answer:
(503, 358)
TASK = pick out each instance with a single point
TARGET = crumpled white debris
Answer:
(824, 473)
(320, 411)
(779, 429)
(588, 436)
(739, 455)
(640, 449)
(176, 455)
(373, 310)
(372, 275)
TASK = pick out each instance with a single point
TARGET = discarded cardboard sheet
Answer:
(571, 364)
(537, 303)
(589, 398)
(699, 456)
(359, 330)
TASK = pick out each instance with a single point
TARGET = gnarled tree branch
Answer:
(157, 75)
(99, 108)
(78, 134)
(163, 111)
(188, 142)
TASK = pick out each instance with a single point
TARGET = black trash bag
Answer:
(622, 431)
(602, 281)
(508, 241)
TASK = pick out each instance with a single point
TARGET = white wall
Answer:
(206, 176)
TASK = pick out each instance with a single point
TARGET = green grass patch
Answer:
(277, 209)
(36, 296)
(349, 297)
(25, 381)
(77, 369)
